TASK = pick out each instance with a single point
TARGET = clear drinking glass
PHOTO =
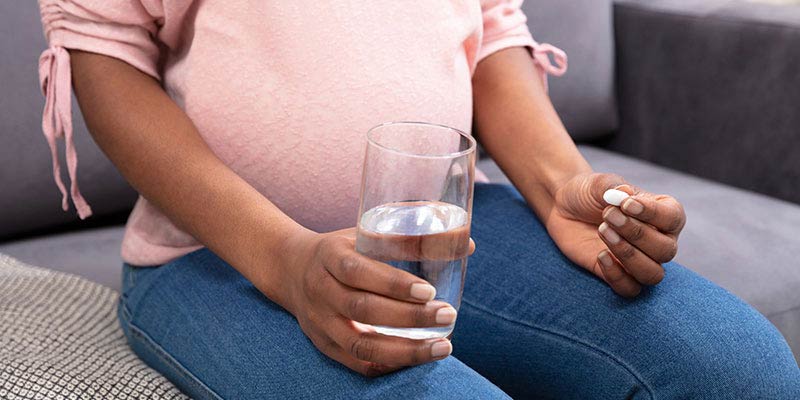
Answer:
(416, 208)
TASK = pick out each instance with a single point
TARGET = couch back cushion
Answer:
(584, 97)
(29, 200)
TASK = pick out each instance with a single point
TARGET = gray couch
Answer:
(707, 87)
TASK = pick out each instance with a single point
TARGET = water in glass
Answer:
(429, 239)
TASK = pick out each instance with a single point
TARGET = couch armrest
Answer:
(712, 88)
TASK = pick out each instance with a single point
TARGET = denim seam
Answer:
(596, 349)
(132, 276)
(126, 312)
(175, 365)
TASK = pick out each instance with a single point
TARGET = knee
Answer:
(444, 379)
(747, 358)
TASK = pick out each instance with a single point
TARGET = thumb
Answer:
(627, 188)
(602, 183)
(582, 197)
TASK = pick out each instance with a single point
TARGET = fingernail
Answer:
(441, 349)
(605, 259)
(616, 217)
(633, 207)
(609, 234)
(422, 291)
(446, 315)
(614, 196)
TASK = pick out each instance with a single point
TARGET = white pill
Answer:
(615, 197)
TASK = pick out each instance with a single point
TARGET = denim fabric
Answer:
(531, 322)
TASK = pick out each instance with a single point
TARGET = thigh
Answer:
(541, 327)
(205, 327)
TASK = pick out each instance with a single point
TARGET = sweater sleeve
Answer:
(123, 29)
(505, 25)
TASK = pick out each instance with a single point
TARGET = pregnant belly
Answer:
(299, 135)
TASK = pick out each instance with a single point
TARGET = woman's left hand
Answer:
(626, 245)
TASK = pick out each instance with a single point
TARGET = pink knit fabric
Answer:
(283, 92)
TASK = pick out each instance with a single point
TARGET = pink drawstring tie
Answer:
(55, 79)
(542, 53)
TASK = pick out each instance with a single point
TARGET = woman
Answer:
(242, 124)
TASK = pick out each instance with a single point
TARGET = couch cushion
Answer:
(585, 96)
(30, 200)
(745, 242)
(711, 88)
(92, 254)
(60, 339)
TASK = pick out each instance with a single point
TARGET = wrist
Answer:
(275, 268)
(540, 190)
(553, 178)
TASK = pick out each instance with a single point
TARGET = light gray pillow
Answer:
(60, 339)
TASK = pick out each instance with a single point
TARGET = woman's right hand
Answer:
(328, 286)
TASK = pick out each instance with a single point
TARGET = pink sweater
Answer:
(282, 91)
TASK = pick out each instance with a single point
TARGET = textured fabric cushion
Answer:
(745, 242)
(60, 339)
(29, 199)
(93, 254)
(585, 96)
(711, 88)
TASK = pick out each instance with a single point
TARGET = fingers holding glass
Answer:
(360, 272)
(383, 349)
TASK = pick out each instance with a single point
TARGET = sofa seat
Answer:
(92, 254)
(746, 242)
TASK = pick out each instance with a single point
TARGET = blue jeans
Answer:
(532, 325)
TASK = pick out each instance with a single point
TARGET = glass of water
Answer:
(416, 208)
